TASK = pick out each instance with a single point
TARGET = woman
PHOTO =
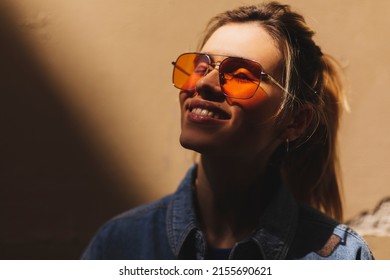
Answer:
(261, 104)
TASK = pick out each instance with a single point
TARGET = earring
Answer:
(287, 145)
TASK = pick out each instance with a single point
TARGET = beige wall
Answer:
(111, 60)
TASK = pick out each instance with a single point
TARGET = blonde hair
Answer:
(311, 79)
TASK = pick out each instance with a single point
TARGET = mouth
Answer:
(207, 110)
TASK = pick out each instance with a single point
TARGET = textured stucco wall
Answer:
(108, 64)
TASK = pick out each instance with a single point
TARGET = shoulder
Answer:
(140, 213)
(320, 237)
(148, 231)
(129, 234)
(350, 244)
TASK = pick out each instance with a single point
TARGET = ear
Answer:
(299, 122)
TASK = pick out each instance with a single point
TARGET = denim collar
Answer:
(271, 240)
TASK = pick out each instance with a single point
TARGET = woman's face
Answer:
(236, 127)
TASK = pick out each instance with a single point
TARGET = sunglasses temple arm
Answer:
(277, 83)
(179, 68)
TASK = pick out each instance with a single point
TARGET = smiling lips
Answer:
(207, 110)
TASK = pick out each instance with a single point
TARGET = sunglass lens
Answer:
(189, 68)
(240, 78)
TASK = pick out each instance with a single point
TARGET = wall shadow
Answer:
(54, 188)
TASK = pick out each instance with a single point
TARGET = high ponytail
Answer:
(312, 80)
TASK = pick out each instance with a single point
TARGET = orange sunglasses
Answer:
(238, 77)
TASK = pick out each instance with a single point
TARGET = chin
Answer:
(190, 144)
(196, 144)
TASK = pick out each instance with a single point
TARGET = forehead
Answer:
(248, 40)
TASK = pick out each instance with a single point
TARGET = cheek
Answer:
(260, 107)
(183, 96)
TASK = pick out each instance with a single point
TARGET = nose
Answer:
(209, 85)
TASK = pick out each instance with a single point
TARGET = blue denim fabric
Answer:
(169, 229)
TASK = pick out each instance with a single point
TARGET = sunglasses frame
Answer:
(216, 66)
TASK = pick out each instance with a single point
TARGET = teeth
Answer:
(205, 112)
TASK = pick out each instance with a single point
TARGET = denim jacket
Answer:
(169, 229)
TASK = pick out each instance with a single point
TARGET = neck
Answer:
(229, 194)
